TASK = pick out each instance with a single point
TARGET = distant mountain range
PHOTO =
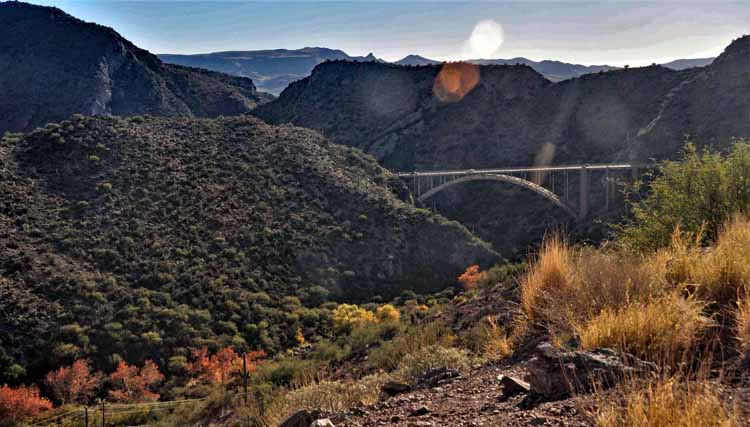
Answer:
(273, 70)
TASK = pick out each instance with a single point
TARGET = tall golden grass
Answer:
(669, 402)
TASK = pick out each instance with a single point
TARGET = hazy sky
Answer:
(605, 32)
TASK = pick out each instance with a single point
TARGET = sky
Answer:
(612, 32)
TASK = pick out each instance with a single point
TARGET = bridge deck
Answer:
(613, 166)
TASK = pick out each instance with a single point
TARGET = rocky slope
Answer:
(54, 65)
(146, 237)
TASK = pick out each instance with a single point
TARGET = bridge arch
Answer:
(503, 178)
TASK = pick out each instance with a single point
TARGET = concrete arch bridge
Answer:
(568, 187)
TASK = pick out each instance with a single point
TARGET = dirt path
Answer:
(471, 400)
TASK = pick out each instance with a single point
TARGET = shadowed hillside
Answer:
(54, 65)
(149, 237)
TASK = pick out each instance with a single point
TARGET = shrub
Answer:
(433, 357)
(347, 316)
(17, 404)
(389, 355)
(660, 330)
(131, 385)
(336, 396)
(470, 278)
(387, 314)
(75, 383)
(704, 190)
(488, 339)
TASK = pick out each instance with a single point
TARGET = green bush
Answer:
(699, 193)
(413, 365)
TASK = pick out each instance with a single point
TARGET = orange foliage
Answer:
(133, 384)
(75, 383)
(222, 366)
(471, 277)
(20, 403)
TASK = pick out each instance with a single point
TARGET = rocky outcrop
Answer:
(555, 374)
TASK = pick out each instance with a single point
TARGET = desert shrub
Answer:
(348, 316)
(390, 353)
(703, 190)
(487, 339)
(387, 314)
(662, 329)
(335, 396)
(668, 403)
(433, 357)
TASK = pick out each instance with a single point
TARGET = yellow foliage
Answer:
(351, 315)
(387, 314)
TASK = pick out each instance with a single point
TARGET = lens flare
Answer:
(455, 80)
(485, 39)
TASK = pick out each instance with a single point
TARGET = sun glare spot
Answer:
(485, 40)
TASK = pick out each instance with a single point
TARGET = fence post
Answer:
(103, 423)
(85, 416)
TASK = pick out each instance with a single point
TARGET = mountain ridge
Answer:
(87, 68)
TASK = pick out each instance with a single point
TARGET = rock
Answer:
(303, 418)
(554, 374)
(433, 377)
(325, 422)
(538, 421)
(392, 388)
(513, 386)
(422, 410)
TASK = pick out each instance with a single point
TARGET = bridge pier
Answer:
(584, 195)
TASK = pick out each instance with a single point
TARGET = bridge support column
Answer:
(584, 193)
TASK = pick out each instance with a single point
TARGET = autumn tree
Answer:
(75, 383)
(17, 404)
(220, 367)
(135, 385)
(471, 277)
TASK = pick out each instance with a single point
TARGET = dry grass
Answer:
(668, 403)
(566, 286)
(660, 330)
(487, 339)
(434, 357)
(742, 322)
(720, 273)
(336, 396)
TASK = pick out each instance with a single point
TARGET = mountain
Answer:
(416, 60)
(503, 115)
(54, 65)
(149, 237)
(552, 70)
(683, 64)
(271, 70)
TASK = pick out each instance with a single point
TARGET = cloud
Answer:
(484, 41)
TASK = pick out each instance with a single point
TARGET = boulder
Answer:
(433, 377)
(392, 388)
(325, 422)
(555, 374)
(513, 386)
(303, 418)
(422, 410)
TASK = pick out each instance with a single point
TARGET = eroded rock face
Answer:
(554, 374)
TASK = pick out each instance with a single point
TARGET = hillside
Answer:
(271, 70)
(147, 237)
(55, 65)
(513, 116)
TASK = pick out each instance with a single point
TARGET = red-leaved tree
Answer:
(222, 366)
(75, 383)
(135, 385)
(471, 277)
(17, 404)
